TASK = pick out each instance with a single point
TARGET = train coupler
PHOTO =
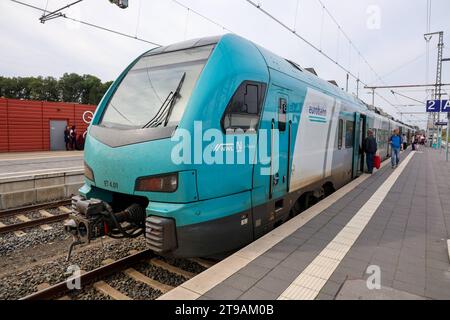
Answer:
(93, 218)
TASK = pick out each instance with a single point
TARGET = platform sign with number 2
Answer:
(433, 106)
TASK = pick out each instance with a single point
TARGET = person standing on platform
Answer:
(73, 138)
(370, 148)
(67, 137)
(396, 143)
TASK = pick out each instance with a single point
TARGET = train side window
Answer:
(340, 133)
(244, 108)
(349, 125)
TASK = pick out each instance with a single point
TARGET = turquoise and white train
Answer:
(237, 97)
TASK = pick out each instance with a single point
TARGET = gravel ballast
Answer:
(9, 242)
(134, 290)
(49, 264)
(25, 283)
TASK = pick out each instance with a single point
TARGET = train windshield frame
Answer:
(147, 90)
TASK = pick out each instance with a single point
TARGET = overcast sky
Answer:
(388, 33)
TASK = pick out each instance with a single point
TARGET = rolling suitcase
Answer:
(377, 161)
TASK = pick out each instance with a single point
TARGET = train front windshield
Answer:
(156, 90)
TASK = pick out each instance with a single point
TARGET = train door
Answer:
(271, 181)
(283, 124)
(359, 136)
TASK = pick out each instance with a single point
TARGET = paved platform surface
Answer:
(17, 164)
(390, 228)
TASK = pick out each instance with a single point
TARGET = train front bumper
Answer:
(200, 229)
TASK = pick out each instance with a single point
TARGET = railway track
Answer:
(129, 267)
(26, 217)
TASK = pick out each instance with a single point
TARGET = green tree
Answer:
(50, 88)
(36, 88)
(71, 87)
(91, 89)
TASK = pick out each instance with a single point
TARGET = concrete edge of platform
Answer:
(41, 187)
(22, 156)
(41, 175)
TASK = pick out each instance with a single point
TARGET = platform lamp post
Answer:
(448, 124)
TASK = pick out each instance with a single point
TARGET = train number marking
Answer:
(111, 184)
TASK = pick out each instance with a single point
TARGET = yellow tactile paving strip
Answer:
(309, 283)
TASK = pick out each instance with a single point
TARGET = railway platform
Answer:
(383, 236)
(36, 177)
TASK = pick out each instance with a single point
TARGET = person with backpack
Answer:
(396, 143)
(370, 148)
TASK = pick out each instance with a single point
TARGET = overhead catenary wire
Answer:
(309, 43)
(404, 65)
(322, 26)
(356, 49)
(296, 14)
(351, 42)
(201, 15)
(46, 6)
(57, 13)
(360, 55)
(338, 45)
(90, 24)
(186, 23)
(407, 97)
(347, 70)
(293, 31)
(138, 18)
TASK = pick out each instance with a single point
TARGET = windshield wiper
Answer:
(160, 112)
(166, 108)
(175, 96)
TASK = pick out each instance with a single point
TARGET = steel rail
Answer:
(33, 223)
(62, 288)
(16, 211)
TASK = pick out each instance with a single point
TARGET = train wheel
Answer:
(328, 189)
(302, 203)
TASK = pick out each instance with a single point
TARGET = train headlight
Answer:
(162, 183)
(88, 173)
